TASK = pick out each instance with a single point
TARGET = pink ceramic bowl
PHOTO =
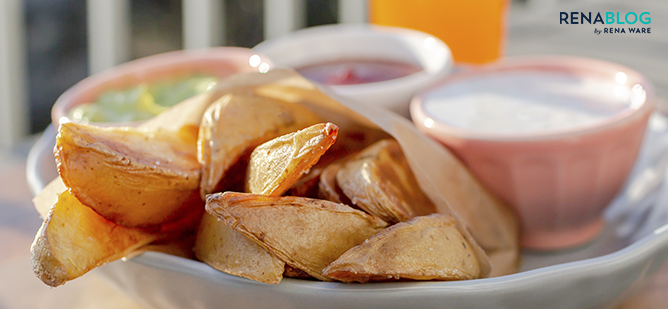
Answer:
(555, 137)
(219, 61)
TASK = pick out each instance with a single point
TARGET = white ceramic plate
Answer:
(599, 274)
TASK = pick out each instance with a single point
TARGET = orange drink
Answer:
(473, 29)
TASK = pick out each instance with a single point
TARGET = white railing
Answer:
(13, 102)
(109, 35)
(203, 23)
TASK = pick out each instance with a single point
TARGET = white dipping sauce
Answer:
(524, 102)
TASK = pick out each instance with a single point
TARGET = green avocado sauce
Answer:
(142, 101)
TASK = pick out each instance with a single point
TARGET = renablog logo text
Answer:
(611, 18)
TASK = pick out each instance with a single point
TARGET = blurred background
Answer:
(46, 46)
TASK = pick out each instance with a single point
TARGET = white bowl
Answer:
(601, 274)
(332, 43)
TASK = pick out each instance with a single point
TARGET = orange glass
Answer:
(474, 30)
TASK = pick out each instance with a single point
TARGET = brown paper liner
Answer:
(484, 220)
(487, 223)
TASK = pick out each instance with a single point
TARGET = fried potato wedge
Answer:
(273, 168)
(328, 188)
(424, 248)
(229, 251)
(187, 113)
(75, 239)
(235, 124)
(48, 197)
(307, 185)
(292, 272)
(182, 247)
(452, 187)
(277, 164)
(379, 181)
(307, 234)
(130, 176)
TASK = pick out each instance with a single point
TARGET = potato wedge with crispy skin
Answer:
(231, 252)
(307, 185)
(328, 188)
(307, 234)
(379, 181)
(235, 124)
(187, 113)
(277, 164)
(273, 167)
(75, 239)
(424, 248)
(48, 196)
(292, 272)
(182, 226)
(130, 176)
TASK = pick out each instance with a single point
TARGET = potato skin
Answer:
(424, 248)
(229, 251)
(379, 181)
(279, 163)
(307, 234)
(75, 239)
(328, 188)
(235, 124)
(132, 177)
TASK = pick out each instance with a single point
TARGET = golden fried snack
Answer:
(292, 272)
(75, 239)
(273, 167)
(307, 185)
(277, 164)
(130, 176)
(48, 196)
(328, 188)
(235, 124)
(187, 113)
(231, 252)
(424, 248)
(379, 181)
(307, 234)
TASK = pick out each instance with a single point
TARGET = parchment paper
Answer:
(440, 174)
(486, 222)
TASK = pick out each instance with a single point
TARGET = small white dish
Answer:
(341, 42)
(600, 274)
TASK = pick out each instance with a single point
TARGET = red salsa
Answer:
(349, 72)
